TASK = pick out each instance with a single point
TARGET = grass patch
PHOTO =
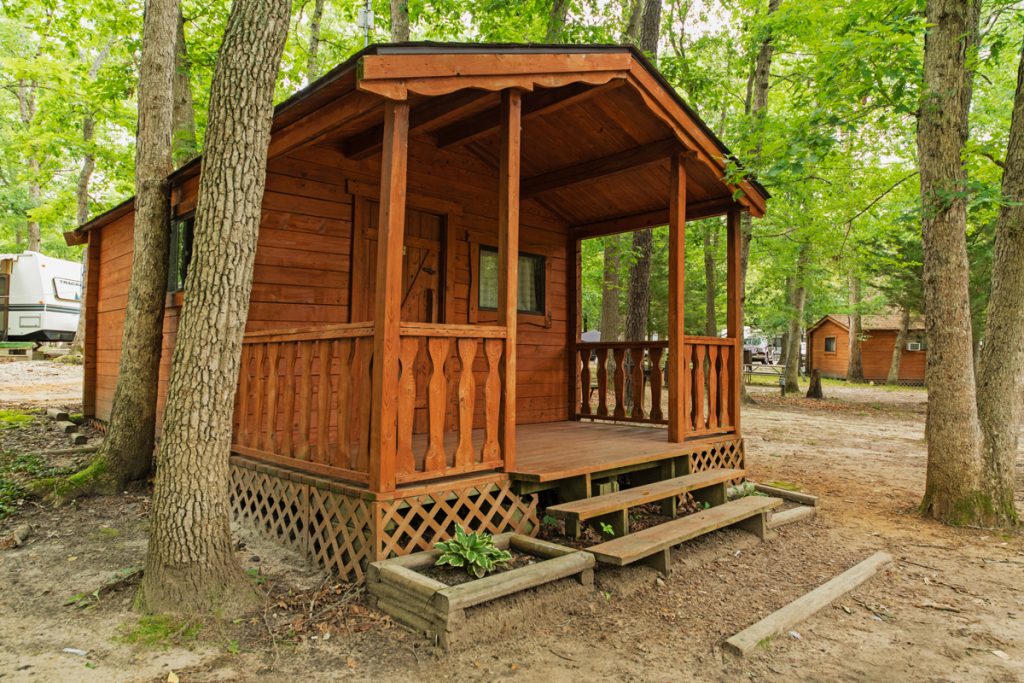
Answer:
(11, 418)
(16, 471)
(160, 631)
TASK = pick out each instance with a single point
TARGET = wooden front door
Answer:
(423, 269)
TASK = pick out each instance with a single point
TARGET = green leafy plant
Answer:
(607, 529)
(475, 552)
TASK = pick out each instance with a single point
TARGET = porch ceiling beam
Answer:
(321, 123)
(648, 219)
(535, 104)
(434, 112)
(599, 168)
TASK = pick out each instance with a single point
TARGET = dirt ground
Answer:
(43, 383)
(950, 608)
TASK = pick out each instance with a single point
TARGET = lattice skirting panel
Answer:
(726, 454)
(409, 525)
(342, 532)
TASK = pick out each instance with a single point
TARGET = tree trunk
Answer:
(814, 389)
(190, 567)
(710, 278)
(797, 299)
(27, 111)
(34, 236)
(185, 146)
(556, 21)
(855, 367)
(127, 452)
(1001, 365)
(897, 351)
(953, 492)
(611, 290)
(399, 21)
(312, 63)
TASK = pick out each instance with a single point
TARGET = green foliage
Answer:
(11, 418)
(607, 529)
(475, 552)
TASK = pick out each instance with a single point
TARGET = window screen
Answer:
(830, 344)
(532, 273)
(182, 231)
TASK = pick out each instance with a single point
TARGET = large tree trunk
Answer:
(399, 21)
(797, 299)
(611, 290)
(190, 567)
(901, 343)
(556, 20)
(26, 94)
(185, 146)
(954, 491)
(312, 59)
(710, 278)
(1001, 364)
(855, 366)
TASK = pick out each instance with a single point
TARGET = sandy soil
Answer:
(40, 383)
(950, 609)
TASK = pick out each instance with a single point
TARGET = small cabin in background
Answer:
(828, 347)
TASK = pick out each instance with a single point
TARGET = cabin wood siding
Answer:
(876, 354)
(303, 270)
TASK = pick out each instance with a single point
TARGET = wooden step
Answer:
(660, 538)
(589, 508)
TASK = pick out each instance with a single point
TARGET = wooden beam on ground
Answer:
(791, 515)
(792, 614)
(649, 219)
(510, 139)
(794, 496)
(599, 168)
(434, 112)
(676, 297)
(388, 297)
(541, 102)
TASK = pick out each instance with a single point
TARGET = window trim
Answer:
(488, 315)
(835, 344)
(175, 293)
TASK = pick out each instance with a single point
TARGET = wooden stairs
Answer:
(652, 546)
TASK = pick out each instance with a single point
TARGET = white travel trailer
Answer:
(40, 297)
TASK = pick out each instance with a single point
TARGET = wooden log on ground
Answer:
(67, 427)
(57, 414)
(792, 614)
(786, 494)
(789, 516)
(79, 439)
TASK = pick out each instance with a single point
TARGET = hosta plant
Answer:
(474, 552)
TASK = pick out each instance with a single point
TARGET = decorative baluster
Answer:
(270, 433)
(637, 355)
(343, 352)
(467, 399)
(656, 413)
(323, 415)
(305, 398)
(602, 382)
(492, 400)
(712, 386)
(687, 398)
(288, 416)
(620, 382)
(436, 402)
(585, 382)
(243, 395)
(410, 347)
(699, 385)
(362, 373)
(258, 384)
(725, 386)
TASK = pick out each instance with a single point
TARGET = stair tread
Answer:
(636, 546)
(588, 508)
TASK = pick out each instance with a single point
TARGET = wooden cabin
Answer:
(412, 355)
(828, 347)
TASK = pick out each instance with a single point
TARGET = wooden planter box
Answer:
(435, 609)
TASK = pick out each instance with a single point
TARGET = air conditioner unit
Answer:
(913, 346)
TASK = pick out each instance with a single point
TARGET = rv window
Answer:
(532, 273)
(181, 252)
(830, 344)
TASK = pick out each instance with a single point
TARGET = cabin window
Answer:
(532, 275)
(830, 344)
(182, 232)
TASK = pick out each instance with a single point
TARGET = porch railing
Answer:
(455, 368)
(636, 380)
(631, 389)
(304, 399)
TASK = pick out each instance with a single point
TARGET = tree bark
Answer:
(1001, 364)
(185, 146)
(710, 278)
(556, 20)
(27, 110)
(190, 567)
(611, 290)
(312, 61)
(855, 366)
(797, 299)
(954, 490)
(399, 21)
(901, 343)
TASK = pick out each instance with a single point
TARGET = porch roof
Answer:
(599, 126)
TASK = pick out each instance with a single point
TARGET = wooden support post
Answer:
(676, 295)
(734, 314)
(508, 264)
(573, 326)
(388, 297)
